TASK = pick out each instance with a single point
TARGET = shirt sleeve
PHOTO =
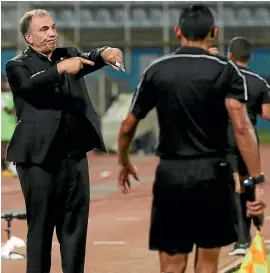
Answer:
(22, 82)
(95, 56)
(238, 88)
(145, 98)
(265, 94)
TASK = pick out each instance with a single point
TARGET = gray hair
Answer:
(26, 20)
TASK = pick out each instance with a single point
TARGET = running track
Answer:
(118, 228)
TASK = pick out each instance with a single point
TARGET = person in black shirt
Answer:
(57, 126)
(240, 50)
(193, 92)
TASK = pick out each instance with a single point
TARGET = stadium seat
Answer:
(86, 18)
(156, 17)
(103, 17)
(119, 17)
(229, 17)
(138, 17)
(174, 15)
(244, 17)
(10, 19)
(261, 17)
(67, 18)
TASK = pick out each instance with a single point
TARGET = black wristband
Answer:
(100, 50)
(259, 179)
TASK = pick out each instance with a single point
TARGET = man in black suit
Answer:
(57, 126)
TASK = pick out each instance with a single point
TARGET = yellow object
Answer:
(6, 173)
(255, 260)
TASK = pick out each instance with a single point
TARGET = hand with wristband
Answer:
(255, 204)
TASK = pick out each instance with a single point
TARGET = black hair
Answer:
(241, 49)
(195, 22)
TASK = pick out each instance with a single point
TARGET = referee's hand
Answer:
(257, 207)
(213, 50)
(123, 177)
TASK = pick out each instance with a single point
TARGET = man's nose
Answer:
(53, 33)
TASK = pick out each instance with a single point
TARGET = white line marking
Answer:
(128, 219)
(109, 243)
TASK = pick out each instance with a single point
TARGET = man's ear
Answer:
(28, 38)
(229, 55)
(214, 33)
(178, 33)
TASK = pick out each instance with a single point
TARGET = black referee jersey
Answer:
(258, 93)
(188, 89)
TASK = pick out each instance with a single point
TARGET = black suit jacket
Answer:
(37, 93)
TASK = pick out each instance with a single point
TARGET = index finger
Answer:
(85, 61)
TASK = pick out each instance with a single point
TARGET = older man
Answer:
(57, 126)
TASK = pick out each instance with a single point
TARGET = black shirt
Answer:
(71, 133)
(188, 89)
(258, 93)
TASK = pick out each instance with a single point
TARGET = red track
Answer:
(118, 228)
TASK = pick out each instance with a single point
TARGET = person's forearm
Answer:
(22, 82)
(95, 56)
(124, 142)
(248, 147)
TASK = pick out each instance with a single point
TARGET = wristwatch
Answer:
(257, 180)
(100, 50)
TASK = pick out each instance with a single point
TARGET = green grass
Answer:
(264, 136)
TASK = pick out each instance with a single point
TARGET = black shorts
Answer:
(237, 163)
(192, 205)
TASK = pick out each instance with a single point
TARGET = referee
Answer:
(191, 194)
(240, 50)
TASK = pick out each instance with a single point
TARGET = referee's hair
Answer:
(196, 21)
(240, 49)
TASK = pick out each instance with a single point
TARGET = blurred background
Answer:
(144, 31)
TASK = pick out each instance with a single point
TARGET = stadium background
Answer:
(144, 31)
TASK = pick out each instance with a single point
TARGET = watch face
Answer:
(248, 182)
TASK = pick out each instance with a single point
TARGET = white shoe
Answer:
(12, 168)
(239, 249)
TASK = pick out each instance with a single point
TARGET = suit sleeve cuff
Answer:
(54, 75)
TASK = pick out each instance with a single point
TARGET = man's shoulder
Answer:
(254, 77)
(17, 60)
(158, 63)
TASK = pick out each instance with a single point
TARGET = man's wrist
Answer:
(124, 160)
(60, 69)
(100, 50)
(258, 179)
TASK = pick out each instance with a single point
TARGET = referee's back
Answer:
(189, 89)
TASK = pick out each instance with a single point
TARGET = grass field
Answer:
(264, 136)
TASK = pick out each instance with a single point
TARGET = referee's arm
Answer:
(144, 100)
(244, 131)
(265, 101)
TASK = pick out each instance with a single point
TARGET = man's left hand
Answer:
(213, 50)
(112, 56)
(123, 177)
